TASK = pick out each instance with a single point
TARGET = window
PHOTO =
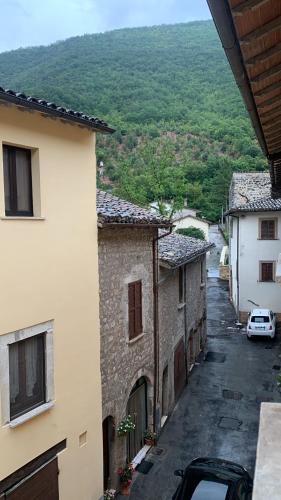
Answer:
(17, 181)
(268, 229)
(181, 285)
(202, 272)
(267, 271)
(26, 375)
(135, 309)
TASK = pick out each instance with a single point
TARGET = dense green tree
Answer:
(195, 232)
(181, 127)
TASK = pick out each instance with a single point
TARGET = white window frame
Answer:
(16, 336)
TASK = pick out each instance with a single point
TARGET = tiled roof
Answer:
(248, 187)
(112, 209)
(261, 205)
(251, 192)
(50, 108)
(177, 249)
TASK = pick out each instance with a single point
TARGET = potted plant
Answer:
(125, 474)
(126, 425)
(149, 437)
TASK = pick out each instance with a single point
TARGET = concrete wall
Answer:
(193, 222)
(49, 271)
(267, 470)
(125, 255)
(178, 321)
(252, 250)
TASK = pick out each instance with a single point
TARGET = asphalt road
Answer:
(218, 412)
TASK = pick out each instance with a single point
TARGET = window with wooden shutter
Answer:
(135, 309)
(267, 271)
(268, 229)
(17, 181)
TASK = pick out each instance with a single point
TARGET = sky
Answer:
(41, 22)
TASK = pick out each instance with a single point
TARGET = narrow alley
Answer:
(218, 412)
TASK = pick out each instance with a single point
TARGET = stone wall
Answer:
(180, 320)
(125, 255)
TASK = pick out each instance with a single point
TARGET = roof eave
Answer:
(54, 112)
(221, 14)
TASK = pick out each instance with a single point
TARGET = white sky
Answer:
(41, 22)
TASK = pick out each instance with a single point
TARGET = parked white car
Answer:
(261, 322)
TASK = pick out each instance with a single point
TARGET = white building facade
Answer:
(255, 245)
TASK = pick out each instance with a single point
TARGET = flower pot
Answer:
(149, 441)
(125, 488)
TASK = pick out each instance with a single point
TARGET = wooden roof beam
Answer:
(268, 89)
(265, 29)
(271, 118)
(273, 144)
(263, 56)
(272, 126)
(242, 7)
(265, 74)
(272, 134)
(269, 102)
(270, 113)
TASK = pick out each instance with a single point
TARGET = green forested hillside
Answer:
(181, 126)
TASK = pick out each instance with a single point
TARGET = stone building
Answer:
(182, 313)
(127, 250)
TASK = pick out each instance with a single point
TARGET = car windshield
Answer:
(209, 490)
(260, 319)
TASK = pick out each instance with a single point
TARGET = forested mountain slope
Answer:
(168, 90)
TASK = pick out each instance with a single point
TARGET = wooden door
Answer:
(42, 484)
(137, 408)
(179, 369)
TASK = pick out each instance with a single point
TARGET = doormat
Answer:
(215, 357)
(144, 467)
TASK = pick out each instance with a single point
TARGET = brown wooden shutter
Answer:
(268, 229)
(267, 271)
(138, 308)
(131, 304)
(135, 309)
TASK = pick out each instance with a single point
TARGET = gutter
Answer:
(222, 16)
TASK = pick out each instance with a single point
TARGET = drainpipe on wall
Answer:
(156, 407)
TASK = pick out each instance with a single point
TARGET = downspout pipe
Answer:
(156, 326)
(237, 265)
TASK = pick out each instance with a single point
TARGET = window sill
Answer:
(269, 281)
(268, 239)
(31, 414)
(132, 341)
(181, 306)
(18, 217)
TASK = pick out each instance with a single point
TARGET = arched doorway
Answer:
(137, 408)
(107, 433)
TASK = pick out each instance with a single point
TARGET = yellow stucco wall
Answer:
(49, 271)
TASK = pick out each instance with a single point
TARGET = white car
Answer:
(261, 322)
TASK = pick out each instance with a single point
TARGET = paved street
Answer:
(213, 258)
(218, 412)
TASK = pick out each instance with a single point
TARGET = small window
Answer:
(268, 229)
(17, 181)
(181, 284)
(202, 272)
(266, 271)
(26, 375)
(135, 309)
